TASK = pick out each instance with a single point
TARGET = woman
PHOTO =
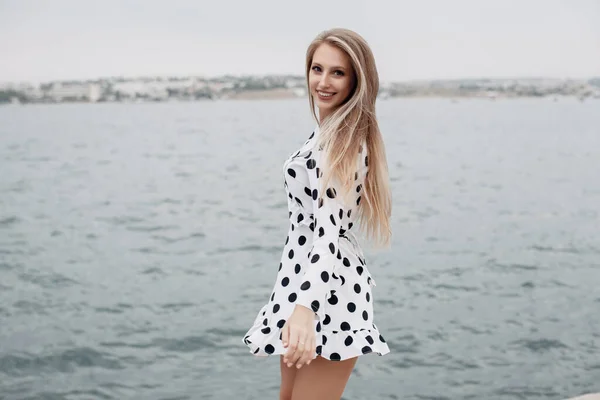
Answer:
(319, 317)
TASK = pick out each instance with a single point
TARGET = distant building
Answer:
(59, 91)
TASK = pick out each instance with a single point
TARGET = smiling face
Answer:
(331, 78)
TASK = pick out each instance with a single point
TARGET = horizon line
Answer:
(247, 75)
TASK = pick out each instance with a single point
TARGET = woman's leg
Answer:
(322, 379)
(287, 380)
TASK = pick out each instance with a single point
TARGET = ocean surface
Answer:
(138, 242)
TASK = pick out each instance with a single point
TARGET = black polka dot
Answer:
(297, 268)
(358, 188)
(333, 300)
(272, 296)
(302, 240)
(331, 193)
(291, 254)
(291, 172)
(332, 248)
(341, 213)
(269, 349)
(346, 262)
(265, 322)
(370, 339)
(318, 327)
(319, 349)
(276, 308)
(368, 297)
(321, 232)
(343, 279)
(335, 357)
(320, 202)
(358, 200)
(359, 270)
(349, 212)
(280, 265)
(287, 239)
(332, 219)
(280, 323)
(365, 315)
(366, 350)
(266, 330)
(351, 307)
(292, 297)
(310, 164)
(325, 276)
(307, 191)
(308, 155)
(298, 200)
(357, 288)
(348, 341)
(305, 285)
(315, 194)
(315, 306)
(315, 258)
(324, 340)
(327, 320)
(300, 218)
(345, 326)
(381, 339)
(285, 281)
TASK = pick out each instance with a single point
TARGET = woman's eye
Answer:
(337, 72)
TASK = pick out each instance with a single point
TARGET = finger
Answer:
(308, 351)
(307, 339)
(285, 333)
(313, 350)
(300, 346)
(292, 346)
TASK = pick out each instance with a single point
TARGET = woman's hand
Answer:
(298, 337)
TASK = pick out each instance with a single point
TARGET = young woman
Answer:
(319, 317)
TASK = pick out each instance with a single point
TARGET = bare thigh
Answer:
(287, 380)
(322, 379)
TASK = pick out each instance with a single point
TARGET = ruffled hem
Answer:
(265, 341)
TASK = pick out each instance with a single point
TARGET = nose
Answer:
(323, 82)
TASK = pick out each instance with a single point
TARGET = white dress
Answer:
(322, 266)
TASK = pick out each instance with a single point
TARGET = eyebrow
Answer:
(336, 67)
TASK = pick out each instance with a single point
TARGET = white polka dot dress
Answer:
(322, 266)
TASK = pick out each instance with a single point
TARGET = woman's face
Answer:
(331, 78)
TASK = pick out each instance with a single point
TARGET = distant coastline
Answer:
(168, 89)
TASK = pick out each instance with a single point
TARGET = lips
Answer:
(324, 95)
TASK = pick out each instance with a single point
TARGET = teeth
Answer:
(325, 94)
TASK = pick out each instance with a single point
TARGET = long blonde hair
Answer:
(351, 125)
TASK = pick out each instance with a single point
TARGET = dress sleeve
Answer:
(328, 213)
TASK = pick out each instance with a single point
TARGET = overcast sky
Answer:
(417, 39)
